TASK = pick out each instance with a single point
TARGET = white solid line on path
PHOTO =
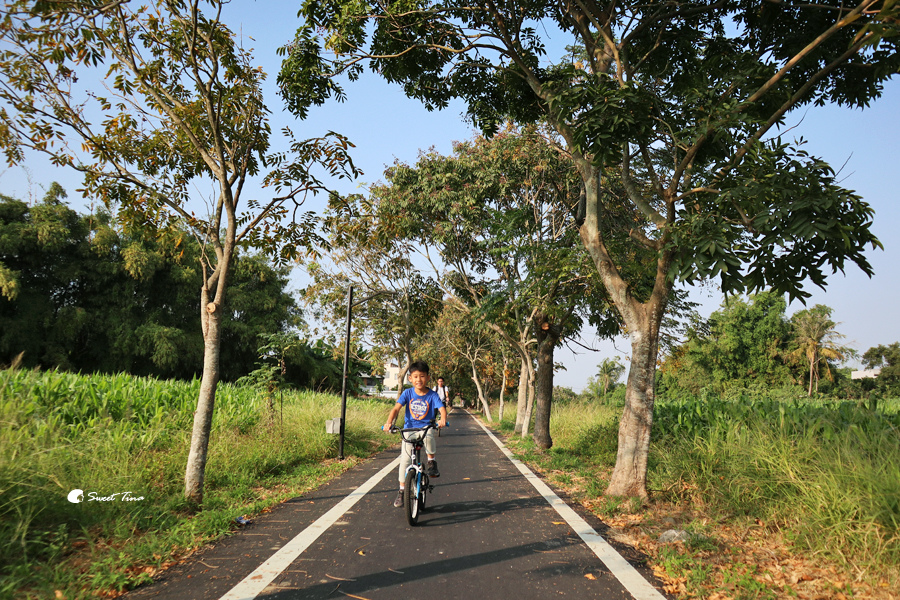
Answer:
(627, 575)
(254, 583)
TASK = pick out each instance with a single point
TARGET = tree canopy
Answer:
(91, 298)
(497, 221)
(680, 95)
(681, 98)
(816, 343)
(750, 343)
(741, 343)
(887, 358)
(150, 103)
(394, 304)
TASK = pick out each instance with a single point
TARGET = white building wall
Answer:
(391, 376)
(865, 374)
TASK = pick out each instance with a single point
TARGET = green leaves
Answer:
(305, 77)
(887, 358)
(189, 106)
(602, 114)
(9, 284)
(778, 220)
(741, 343)
(677, 96)
(95, 299)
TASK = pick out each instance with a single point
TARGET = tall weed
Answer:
(826, 473)
(829, 473)
(113, 434)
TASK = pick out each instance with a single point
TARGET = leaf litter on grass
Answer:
(732, 561)
(745, 561)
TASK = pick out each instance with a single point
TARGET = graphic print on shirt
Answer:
(418, 408)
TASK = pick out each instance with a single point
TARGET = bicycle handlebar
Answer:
(401, 430)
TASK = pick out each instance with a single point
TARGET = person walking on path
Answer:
(422, 406)
(443, 393)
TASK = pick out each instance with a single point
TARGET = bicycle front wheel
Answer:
(411, 490)
(423, 491)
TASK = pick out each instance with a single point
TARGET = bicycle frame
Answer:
(416, 484)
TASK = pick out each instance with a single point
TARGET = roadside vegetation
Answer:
(652, 151)
(778, 498)
(110, 434)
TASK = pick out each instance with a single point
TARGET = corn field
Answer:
(826, 472)
(77, 403)
(111, 434)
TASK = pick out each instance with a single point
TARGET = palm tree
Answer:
(609, 372)
(816, 341)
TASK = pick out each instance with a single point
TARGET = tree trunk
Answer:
(643, 320)
(816, 369)
(196, 464)
(402, 376)
(270, 405)
(522, 400)
(529, 408)
(811, 370)
(521, 348)
(629, 478)
(484, 403)
(503, 387)
(211, 309)
(547, 337)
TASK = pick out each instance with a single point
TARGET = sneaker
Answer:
(431, 469)
(398, 501)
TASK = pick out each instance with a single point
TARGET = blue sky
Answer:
(384, 125)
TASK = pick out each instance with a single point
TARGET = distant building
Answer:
(387, 382)
(370, 383)
(391, 375)
(865, 374)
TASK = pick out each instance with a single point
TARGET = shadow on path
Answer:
(406, 574)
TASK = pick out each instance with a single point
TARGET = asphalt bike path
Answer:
(491, 528)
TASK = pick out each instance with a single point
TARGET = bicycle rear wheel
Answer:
(411, 491)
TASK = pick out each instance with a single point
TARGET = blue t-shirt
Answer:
(420, 410)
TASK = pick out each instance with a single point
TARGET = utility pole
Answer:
(350, 305)
(344, 383)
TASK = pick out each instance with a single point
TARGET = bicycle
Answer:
(416, 484)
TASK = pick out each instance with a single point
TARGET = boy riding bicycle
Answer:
(422, 405)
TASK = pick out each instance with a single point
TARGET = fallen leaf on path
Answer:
(590, 576)
(338, 578)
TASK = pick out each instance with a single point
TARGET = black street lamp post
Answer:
(344, 383)
(350, 305)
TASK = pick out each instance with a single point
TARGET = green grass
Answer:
(585, 439)
(824, 474)
(112, 434)
(828, 473)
